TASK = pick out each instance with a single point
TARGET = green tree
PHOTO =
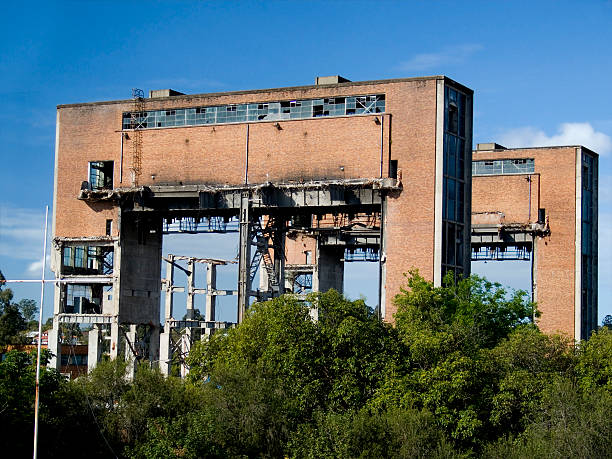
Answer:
(594, 365)
(12, 325)
(446, 333)
(28, 309)
(525, 364)
(17, 387)
(568, 422)
(12, 322)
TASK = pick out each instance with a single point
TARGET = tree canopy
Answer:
(463, 373)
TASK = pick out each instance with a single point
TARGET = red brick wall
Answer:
(556, 167)
(515, 200)
(300, 150)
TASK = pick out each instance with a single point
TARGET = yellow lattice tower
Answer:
(138, 116)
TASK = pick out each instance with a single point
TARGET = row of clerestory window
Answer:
(268, 111)
(503, 166)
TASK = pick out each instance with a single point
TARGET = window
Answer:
(79, 257)
(268, 111)
(68, 256)
(503, 167)
(454, 184)
(101, 175)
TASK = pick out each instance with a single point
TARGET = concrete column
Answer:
(169, 300)
(211, 299)
(382, 263)
(165, 352)
(190, 289)
(244, 258)
(115, 342)
(154, 344)
(94, 349)
(185, 348)
(54, 345)
(289, 279)
(130, 349)
(330, 268)
(263, 276)
(279, 254)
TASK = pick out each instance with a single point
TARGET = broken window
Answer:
(87, 260)
(268, 111)
(101, 175)
(503, 167)
(83, 299)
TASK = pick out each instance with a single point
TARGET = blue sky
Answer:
(539, 70)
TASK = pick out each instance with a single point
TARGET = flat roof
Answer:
(289, 88)
(550, 147)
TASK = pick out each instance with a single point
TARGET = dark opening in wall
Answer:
(101, 175)
(393, 168)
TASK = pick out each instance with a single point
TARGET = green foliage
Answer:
(446, 333)
(464, 373)
(568, 423)
(594, 366)
(396, 433)
(28, 309)
(12, 325)
(472, 312)
(336, 362)
(12, 322)
(525, 363)
(17, 390)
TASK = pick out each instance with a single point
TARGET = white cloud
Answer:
(567, 134)
(36, 266)
(21, 241)
(21, 232)
(447, 56)
(605, 190)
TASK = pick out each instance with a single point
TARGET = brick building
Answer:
(541, 204)
(389, 158)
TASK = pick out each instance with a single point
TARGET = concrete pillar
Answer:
(289, 279)
(169, 300)
(130, 350)
(279, 254)
(154, 344)
(115, 342)
(330, 268)
(190, 289)
(244, 256)
(211, 286)
(54, 345)
(165, 352)
(94, 348)
(263, 276)
(185, 348)
(382, 263)
(211, 299)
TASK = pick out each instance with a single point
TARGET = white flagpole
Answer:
(40, 315)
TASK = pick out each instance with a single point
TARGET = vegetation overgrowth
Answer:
(463, 373)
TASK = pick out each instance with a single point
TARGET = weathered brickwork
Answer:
(361, 146)
(553, 188)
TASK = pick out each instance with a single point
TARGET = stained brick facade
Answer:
(565, 269)
(408, 137)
